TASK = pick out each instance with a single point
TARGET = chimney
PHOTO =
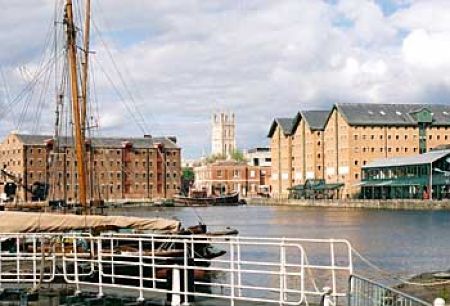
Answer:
(172, 138)
(147, 136)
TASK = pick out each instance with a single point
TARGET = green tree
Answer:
(188, 174)
(215, 157)
(238, 156)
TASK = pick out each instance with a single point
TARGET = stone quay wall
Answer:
(369, 204)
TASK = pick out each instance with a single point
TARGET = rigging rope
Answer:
(142, 124)
(395, 276)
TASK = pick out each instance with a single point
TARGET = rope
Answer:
(394, 276)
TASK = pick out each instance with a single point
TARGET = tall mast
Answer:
(84, 80)
(79, 139)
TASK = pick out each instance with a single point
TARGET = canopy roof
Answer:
(419, 159)
(319, 186)
(25, 222)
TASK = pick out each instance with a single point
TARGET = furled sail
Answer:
(27, 222)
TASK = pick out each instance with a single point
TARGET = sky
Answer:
(162, 67)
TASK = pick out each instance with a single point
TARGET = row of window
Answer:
(13, 151)
(381, 150)
(111, 175)
(397, 137)
(137, 187)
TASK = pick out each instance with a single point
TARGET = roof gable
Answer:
(286, 125)
(316, 119)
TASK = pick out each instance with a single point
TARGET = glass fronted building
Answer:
(411, 177)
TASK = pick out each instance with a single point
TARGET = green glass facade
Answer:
(407, 181)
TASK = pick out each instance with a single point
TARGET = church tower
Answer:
(223, 134)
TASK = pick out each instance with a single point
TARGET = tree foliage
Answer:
(188, 174)
(236, 155)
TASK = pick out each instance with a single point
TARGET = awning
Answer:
(328, 186)
(376, 184)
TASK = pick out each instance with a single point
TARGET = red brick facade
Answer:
(229, 176)
(134, 168)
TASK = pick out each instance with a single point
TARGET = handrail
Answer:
(376, 294)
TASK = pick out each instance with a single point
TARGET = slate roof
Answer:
(419, 159)
(315, 119)
(391, 114)
(104, 142)
(286, 124)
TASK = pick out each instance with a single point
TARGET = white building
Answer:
(223, 134)
(258, 157)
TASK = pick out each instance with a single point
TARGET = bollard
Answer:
(326, 297)
(439, 302)
(176, 287)
(176, 282)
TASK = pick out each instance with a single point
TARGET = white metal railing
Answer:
(365, 292)
(27, 258)
(266, 270)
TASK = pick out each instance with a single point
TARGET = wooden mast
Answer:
(84, 80)
(78, 135)
(84, 87)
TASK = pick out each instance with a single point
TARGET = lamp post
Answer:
(431, 181)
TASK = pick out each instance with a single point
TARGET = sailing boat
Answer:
(90, 225)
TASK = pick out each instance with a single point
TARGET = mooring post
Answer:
(439, 302)
(176, 286)
(180, 279)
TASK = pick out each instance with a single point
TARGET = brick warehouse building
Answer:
(350, 136)
(224, 177)
(119, 168)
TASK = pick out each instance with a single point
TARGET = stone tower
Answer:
(223, 133)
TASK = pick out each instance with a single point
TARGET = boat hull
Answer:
(227, 200)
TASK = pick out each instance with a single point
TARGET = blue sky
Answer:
(181, 60)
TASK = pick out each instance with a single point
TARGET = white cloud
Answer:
(429, 51)
(182, 60)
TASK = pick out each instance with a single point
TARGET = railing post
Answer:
(141, 273)
(326, 297)
(75, 265)
(176, 286)
(439, 302)
(100, 267)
